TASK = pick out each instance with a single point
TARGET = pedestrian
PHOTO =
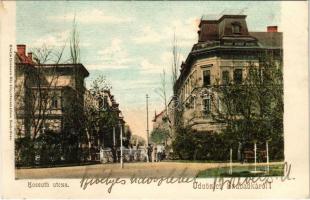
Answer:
(101, 155)
(149, 152)
(154, 154)
(159, 152)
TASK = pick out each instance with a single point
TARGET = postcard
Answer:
(154, 99)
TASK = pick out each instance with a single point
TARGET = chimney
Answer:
(272, 29)
(30, 55)
(21, 49)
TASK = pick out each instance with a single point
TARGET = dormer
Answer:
(227, 26)
(233, 25)
(236, 28)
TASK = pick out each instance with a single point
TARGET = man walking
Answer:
(159, 152)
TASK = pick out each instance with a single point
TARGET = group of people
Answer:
(156, 153)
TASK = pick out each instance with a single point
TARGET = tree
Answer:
(162, 90)
(74, 44)
(177, 113)
(136, 140)
(175, 63)
(253, 110)
(102, 117)
(159, 135)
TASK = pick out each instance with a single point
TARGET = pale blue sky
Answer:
(130, 42)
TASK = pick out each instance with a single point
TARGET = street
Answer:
(141, 169)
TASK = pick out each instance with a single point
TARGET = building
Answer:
(224, 49)
(47, 96)
(52, 98)
(160, 120)
(105, 119)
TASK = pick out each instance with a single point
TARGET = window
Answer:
(105, 102)
(238, 76)
(206, 78)
(225, 77)
(206, 104)
(55, 103)
(219, 104)
(236, 28)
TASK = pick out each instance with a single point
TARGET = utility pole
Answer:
(147, 119)
(147, 126)
(121, 137)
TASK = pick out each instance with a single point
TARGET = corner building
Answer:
(224, 49)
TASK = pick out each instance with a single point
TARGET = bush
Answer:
(24, 152)
(48, 147)
(193, 145)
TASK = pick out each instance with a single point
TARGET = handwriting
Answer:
(233, 182)
(218, 183)
(108, 180)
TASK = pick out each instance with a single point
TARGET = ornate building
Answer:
(224, 50)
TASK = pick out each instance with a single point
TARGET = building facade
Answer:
(47, 96)
(224, 52)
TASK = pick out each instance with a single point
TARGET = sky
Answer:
(130, 42)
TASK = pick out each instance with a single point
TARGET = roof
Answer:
(225, 12)
(64, 66)
(212, 30)
(158, 115)
(23, 59)
(269, 39)
(229, 35)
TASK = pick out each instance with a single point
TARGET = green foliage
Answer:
(193, 145)
(44, 150)
(159, 135)
(24, 151)
(48, 147)
(136, 139)
(253, 110)
(202, 145)
(183, 144)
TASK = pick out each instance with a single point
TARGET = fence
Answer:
(129, 155)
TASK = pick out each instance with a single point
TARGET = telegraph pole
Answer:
(147, 119)
(147, 126)
(121, 137)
